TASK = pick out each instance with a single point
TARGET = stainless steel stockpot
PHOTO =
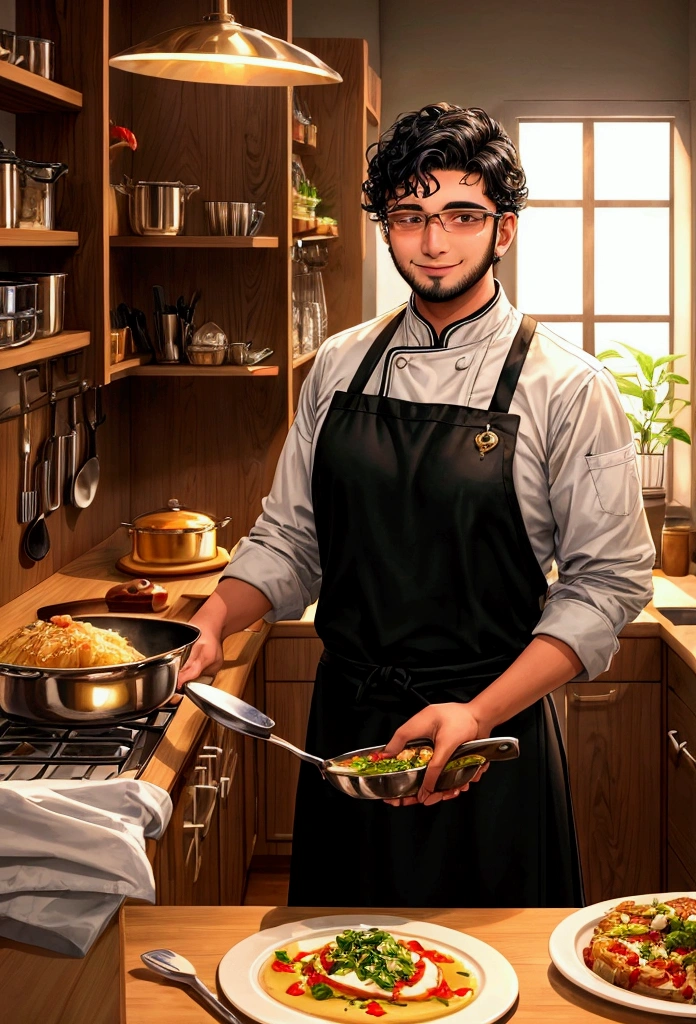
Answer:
(50, 299)
(17, 296)
(37, 198)
(156, 207)
(17, 328)
(175, 535)
(107, 694)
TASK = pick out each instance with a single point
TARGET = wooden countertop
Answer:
(204, 934)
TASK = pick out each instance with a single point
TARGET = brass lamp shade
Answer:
(220, 51)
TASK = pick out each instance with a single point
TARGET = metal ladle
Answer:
(177, 968)
(87, 479)
(37, 541)
(236, 714)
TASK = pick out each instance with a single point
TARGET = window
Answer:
(594, 249)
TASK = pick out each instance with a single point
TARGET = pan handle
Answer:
(286, 745)
(18, 673)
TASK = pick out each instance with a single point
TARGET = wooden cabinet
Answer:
(681, 774)
(203, 858)
(615, 756)
(289, 668)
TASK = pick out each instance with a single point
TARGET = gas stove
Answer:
(30, 751)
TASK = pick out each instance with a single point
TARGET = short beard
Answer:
(435, 292)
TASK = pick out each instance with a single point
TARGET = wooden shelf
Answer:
(195, 241)
(303, 148)
(321, 233)
(126, 369)
(20, 237)
(22, 92)
(303, 359)
(45, 348)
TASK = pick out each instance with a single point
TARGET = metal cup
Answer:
(167, 333)
(234, 218)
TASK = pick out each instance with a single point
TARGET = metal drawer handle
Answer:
(681, 748)
(226, 780)
(594, 698)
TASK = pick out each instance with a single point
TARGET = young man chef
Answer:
(443, 455)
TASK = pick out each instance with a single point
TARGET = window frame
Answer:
(681, 313)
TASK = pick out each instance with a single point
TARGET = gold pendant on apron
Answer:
(486, 441)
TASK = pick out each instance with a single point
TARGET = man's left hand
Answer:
(447, 725)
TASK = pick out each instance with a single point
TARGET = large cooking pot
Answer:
(108, 694)
(156, 207)
(175, 535)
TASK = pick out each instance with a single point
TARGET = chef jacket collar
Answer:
(473, 329)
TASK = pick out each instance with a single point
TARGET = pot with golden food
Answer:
(175, 535)
(106, 668)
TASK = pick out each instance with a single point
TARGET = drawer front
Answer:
(637, 661)
(681, 782)
(292, 658)
(288, 705)
(681, 680)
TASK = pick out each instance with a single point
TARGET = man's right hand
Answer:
(205, 657)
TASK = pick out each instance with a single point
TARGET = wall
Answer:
(336, 20)
(7, 121)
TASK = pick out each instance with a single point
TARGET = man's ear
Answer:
(507, 228)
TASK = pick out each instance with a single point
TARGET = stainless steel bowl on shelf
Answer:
(109, 693)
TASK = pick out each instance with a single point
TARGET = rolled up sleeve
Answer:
(603, 546)
(280, 556)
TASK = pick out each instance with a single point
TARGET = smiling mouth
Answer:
(430, 266)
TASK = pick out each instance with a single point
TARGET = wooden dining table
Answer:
(204, 934)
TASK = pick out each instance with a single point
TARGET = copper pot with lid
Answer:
(174, 535)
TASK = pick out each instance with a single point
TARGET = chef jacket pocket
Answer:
(615, 477)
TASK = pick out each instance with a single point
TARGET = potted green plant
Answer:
(652, 407)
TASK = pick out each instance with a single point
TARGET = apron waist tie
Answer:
(369, 678)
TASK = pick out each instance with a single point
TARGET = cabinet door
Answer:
(614, 757)
(288, 705)
(681, 771)
(186, 864)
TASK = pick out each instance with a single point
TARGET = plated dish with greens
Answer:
(362, 973)
(360, 966)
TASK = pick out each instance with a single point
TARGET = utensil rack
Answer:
(49, 380)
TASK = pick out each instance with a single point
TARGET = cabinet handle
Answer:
(226, 780)
(594, 698)
(209, 762)
(681, 748)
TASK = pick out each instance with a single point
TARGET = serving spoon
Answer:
(177, 968)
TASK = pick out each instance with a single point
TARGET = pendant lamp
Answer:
(220, 51)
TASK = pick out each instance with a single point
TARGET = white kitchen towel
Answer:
(70, 851)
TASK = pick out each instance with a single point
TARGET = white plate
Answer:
(573, 934)
(238, 973)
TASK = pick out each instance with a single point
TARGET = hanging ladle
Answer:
(36, 541)
(87, 479)
(466, 760)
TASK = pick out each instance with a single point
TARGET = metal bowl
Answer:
(107, 694)
(393, 785)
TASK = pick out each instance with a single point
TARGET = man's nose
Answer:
(435, 240)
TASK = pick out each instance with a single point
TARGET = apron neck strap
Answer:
(374, 354)
(510, 373)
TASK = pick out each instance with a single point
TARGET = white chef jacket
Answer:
(574, 469)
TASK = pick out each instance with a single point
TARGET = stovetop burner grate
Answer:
(33, 751)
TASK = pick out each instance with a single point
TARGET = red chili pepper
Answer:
(120, 134)
(415, 977)
(679, 978)
(671, 967)
(617, 947)
(632, 959)
(658, 964)
(682, 950)
(279, 966)
(655, 936)
(295, 990)
(324, 960)
(462, 991)
(633, 977)
(589, 960)
(443, 991)
(687, 992)
(414, 946)
(301, 956)
(375, 1010)
(373, 757)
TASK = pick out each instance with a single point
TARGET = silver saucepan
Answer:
(236, 714)
(106, 694)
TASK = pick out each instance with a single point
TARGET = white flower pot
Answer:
(652, 470)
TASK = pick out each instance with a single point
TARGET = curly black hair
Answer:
(443, 137)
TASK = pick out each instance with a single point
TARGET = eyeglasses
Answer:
(461, 222)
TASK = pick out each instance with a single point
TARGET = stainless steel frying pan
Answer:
(236, 714)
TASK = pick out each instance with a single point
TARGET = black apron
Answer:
(430, 589)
